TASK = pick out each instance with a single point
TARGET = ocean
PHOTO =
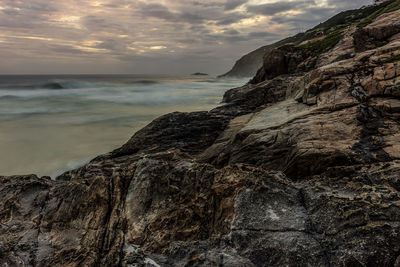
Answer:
(51, 124)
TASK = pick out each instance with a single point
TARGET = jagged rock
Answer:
(286, 59)
(189, 132)
(384, 27)
(267, 92)
(380, 30)
(299, 170)
(345, 49)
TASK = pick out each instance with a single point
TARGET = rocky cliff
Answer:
(300, 167)
(249, 64)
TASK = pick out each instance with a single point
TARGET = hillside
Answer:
(248, 65)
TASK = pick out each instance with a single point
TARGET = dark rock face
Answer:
(248, 65)
(299, 170)
(286, 59)
(265, 93)
(189, 132)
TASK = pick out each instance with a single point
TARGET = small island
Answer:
(199, 74)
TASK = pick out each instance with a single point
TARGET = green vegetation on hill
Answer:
(383, 8)
(332, 28)
(359, 17)
(324, 45)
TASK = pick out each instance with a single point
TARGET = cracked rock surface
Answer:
(301, 168)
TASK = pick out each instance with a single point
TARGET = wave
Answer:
(7, 97)
(208, 81)
(59, 85)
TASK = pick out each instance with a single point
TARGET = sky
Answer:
(147, 37)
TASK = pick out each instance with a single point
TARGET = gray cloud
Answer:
(231, 18)
(278, 7)
(158, 11)
(64, 49)
(204, 13)
(147, 36)
(271, 9)
(231, 32)
(345, 4)
(232, 4)
(308, 17)
(261, 34)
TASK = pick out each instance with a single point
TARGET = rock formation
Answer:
(301, 167)
(249, 64)
(199, 74)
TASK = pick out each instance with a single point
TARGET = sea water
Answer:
(51, 124)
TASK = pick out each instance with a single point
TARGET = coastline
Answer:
(47, 130)
(299, 167)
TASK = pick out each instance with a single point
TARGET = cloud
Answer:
(143, 36)
(307, 18)
(158, 11)
(231, 32)
(231, 19)
(271, 9)
(345, 4)
(279, 7)
(261, 34)
(196, 14)
(232, 4)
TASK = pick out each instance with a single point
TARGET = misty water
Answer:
(51, 124)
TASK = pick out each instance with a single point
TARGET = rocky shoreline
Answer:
(300, 167)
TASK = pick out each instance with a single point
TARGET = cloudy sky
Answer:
(151, 36)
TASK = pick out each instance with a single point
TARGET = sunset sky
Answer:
(132, 36)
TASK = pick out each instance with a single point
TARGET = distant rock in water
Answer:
(144, 82)
(200, 74)
(53, 85)
(299, 167)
